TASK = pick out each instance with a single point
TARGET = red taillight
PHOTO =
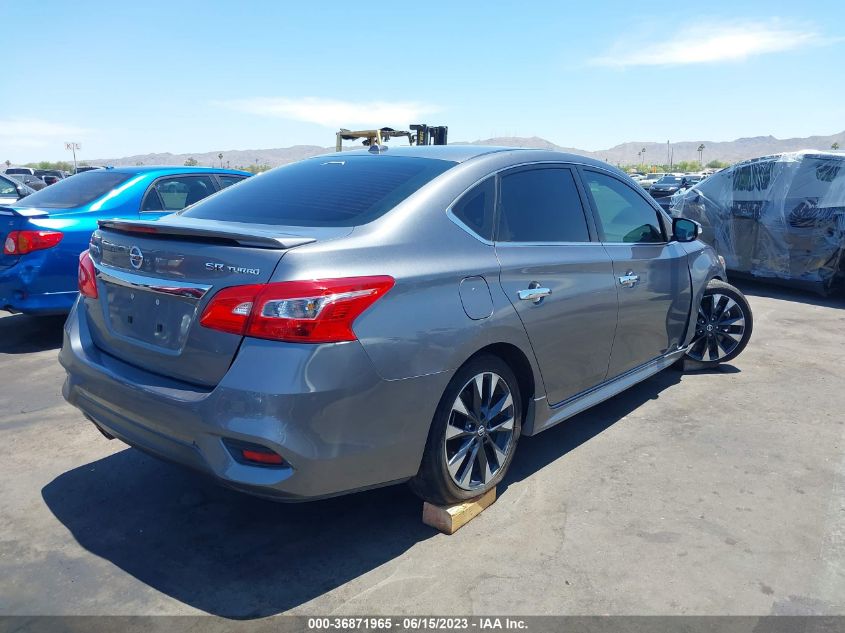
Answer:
(23, 242)
(230, 308)
(262, 457)
(87, 277)
(316, 311)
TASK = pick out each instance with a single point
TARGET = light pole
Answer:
(668, 159)
(72, 146)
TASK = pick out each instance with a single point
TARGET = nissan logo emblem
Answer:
(136, 257)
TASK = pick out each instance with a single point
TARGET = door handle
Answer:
(534, 294)
(629, 279)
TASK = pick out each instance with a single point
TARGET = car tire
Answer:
(473, 436)
(723, 326)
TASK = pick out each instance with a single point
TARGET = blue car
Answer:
(44, 233)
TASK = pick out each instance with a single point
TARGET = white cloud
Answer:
(333, 113)
(707, 43)
(37, 130)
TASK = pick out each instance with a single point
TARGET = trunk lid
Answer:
(155, 278)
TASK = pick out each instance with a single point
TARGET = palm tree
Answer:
(701, 154)
(834, 146)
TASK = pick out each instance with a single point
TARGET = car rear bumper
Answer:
(338, 425)
(24, 289)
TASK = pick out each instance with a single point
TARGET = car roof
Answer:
(463, 153)
(166, 170)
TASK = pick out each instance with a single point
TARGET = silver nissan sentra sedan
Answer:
(380, 316)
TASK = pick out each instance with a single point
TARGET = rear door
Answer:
(649, 271)
(174, 193)
(557, 276)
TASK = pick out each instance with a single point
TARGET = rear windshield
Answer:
(669, 180)
(329, 191)
(75, 191)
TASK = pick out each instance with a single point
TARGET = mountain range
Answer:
(625, 153)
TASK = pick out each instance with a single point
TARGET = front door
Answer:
(650, 273)
(559, 279)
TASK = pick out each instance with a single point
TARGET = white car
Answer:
(650, 179)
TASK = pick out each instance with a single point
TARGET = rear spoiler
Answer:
(217, 233)
(24, 213)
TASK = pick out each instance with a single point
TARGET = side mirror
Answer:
(685, 230)
(22, 192)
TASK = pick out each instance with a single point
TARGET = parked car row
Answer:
(662, 186)
(40, 178)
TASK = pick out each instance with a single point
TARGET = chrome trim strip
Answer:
(149, 284)
(463, 226)
(548, 162)
(557, 413)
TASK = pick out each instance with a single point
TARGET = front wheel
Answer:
(473, 435)
(723, 326)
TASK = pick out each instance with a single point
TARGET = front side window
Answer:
(541, 205)
(623, 214)
(178, 192)
(475, 208)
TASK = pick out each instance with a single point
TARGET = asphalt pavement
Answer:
(718, 492)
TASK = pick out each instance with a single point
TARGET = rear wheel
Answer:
(723, 326)
(473, 435)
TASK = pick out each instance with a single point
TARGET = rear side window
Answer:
(227, 180)
(541, 205)
(180, 191)
(475, 208)
(623, 215)
(75, 191)
(7, 187)
(329, 191)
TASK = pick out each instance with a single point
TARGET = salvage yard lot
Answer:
(700, 493)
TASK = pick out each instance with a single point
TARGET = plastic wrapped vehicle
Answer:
(779, 217)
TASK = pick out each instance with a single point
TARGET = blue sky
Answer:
(150, 76)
